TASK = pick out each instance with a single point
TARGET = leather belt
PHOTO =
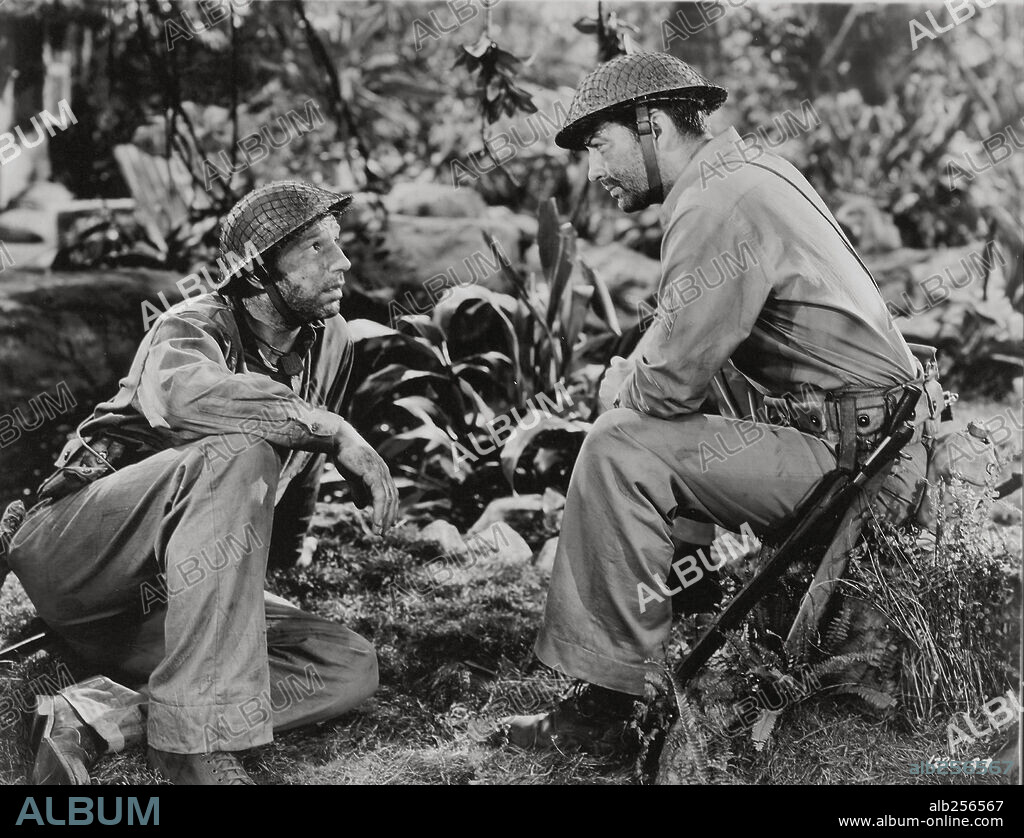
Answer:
(852, 421)
(822, 414)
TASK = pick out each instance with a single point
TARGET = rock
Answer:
(629, 275)
(493, 550)
(479, 557)
(502, 509)
(526, 224)
(309, 545)
(552, 500)
(450, 248)
(499, 546)
(553, 503)
(27, 226)
(544, 561)
(44, 195)
(445, 535)
(32, 217)
(435, 200)
(78, 328)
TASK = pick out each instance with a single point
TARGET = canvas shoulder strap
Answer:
(831, 221)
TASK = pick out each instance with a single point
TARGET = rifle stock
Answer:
(816, 521)
(38, 639)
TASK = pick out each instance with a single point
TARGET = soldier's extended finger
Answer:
(395, 499)
(380, 499)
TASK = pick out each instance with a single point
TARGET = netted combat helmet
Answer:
(266, 217)
(635, 82)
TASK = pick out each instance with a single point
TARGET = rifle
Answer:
(816, 524)
(38, 638)
(817, 520)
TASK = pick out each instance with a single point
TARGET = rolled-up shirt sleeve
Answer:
(187, 387)
(712, 290)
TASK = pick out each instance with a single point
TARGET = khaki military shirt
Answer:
(754, 272)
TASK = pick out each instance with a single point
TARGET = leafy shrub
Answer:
(439, 390)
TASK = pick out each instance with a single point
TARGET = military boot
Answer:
(66, 747)
(218, 768)
(589, 718)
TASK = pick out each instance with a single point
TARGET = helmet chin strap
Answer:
(655, 192)
(288, 315)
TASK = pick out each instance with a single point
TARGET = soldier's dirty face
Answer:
(313, 268)
(616, 161)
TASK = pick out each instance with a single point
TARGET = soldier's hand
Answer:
(612, 381)
(368, 477)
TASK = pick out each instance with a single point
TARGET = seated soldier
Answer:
(755, 271)
(148, 550)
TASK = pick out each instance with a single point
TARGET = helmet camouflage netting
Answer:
(648, 76)
(271, 213)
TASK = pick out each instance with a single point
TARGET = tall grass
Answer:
(953, 600)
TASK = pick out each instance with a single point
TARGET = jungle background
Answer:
(488, 275)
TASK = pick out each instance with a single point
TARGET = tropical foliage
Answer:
(489, 376)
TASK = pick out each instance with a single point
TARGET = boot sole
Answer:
(52, 768)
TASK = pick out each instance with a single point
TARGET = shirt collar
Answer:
(724, 144)
(309, 334)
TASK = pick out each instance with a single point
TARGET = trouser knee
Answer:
(343, 676)
(240, 453)
(354, 678)
(608, 443)
(358, 677)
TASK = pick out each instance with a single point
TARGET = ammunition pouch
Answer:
(83, 461)
(854, 422)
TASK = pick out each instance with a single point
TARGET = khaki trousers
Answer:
(635, 474)
(155, 575)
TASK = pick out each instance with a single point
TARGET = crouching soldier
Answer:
(148, 549)
(755, 271)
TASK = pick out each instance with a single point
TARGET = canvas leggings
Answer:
(155, 576)
(634, 476)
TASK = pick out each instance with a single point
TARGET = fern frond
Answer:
(876, 698)
(837, 663)
(684, 759)
(763, 728)
(838, 631)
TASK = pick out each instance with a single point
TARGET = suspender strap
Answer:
(646, 131)
(847, 452)
(824, 215)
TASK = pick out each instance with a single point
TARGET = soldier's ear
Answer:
(261, 270)
(255, 276)
(659, 120)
